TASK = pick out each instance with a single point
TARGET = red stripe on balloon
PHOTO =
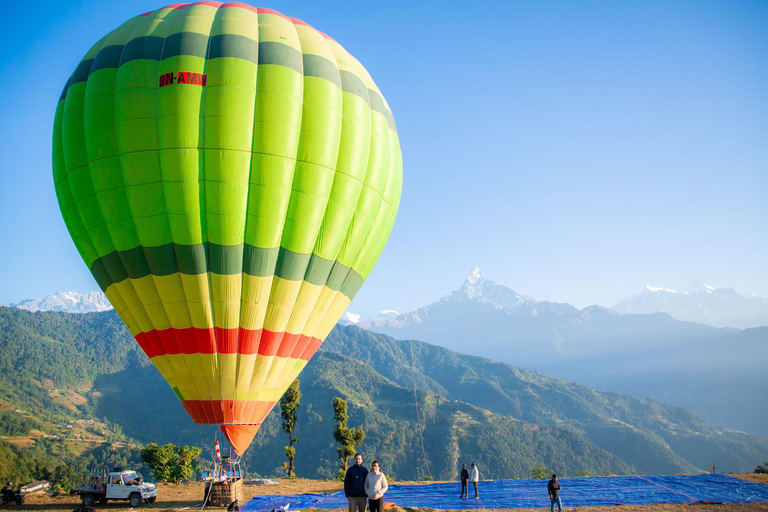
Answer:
(264, 10)
(240, 5)
(227, 341)
(297, 21)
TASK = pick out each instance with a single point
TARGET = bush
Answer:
(540, 471)
(171, 463)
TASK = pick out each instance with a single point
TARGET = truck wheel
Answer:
(152, 499)
(134, 500)
(88, 500)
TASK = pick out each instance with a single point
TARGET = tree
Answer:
(348, 438)
(171, 463)
(289, 411)
(540, 471)
(584, 472)
(762, 469)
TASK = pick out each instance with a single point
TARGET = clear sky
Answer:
(574, 151)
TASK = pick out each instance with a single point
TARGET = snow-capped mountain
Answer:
(349, 318)
(702, 303)
(67, 302)
(478, 294)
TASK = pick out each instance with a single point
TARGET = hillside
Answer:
(473, 408)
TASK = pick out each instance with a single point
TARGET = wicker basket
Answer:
(223, 493)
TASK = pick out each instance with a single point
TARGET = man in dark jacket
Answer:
(354, 485)
(464, 480)
(553, 487)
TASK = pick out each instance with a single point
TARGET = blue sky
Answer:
(574, 151)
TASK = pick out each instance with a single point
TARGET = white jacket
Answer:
(375, 485)
(474, 475)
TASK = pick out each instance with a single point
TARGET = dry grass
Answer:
(189, 496)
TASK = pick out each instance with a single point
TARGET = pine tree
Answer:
(348, 438)
(289, 410)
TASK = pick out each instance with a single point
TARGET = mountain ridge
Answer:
(491, 406)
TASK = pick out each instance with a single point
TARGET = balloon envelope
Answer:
(230, 177)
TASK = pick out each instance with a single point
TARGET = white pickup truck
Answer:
(117, 485)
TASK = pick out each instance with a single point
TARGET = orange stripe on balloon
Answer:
(234, 412)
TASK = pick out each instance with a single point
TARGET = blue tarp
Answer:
(577, 492)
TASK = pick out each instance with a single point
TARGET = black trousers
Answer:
(464, 490)
(475, 484)
(375, 505)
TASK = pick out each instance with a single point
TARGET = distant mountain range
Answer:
(715, 372)
(67, 302)
(82, 367)
(702, 303)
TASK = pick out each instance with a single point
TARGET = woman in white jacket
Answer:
(375, 486)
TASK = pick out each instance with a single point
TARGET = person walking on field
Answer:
(464, 478)
(553, 487)
(475, 477)
(375, 487)
(354, 485)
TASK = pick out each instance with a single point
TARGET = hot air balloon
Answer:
(230, 176)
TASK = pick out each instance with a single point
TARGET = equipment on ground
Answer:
(230, 176)
(118, 484)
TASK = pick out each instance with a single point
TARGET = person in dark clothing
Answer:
(464, 480)
(7, 490)
(234, 506)
(354, 485)
(553, 487)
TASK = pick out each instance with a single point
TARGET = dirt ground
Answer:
(190, 496)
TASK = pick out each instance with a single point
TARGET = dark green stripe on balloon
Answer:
(234, 46)
(198, 259)
(320, 67)
(143, 48)
(280, 54)
(377, 104)
(108, 57)
(352, 83)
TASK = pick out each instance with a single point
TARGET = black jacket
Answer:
(553, 487)
(354, 482)
(464, 474)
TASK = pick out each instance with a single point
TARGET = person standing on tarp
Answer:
(464, 479)
(475, 477)
(553, 487)
(375, 487)
(354, 485)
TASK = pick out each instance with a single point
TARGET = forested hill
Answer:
(87, 366)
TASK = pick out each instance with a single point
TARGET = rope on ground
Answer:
(669, 489)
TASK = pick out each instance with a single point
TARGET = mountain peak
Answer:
(699, 286)
(658, 289)
(475, 276)
(67, 302)
(474, 284)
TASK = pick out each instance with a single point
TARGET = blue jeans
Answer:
(559, 504)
